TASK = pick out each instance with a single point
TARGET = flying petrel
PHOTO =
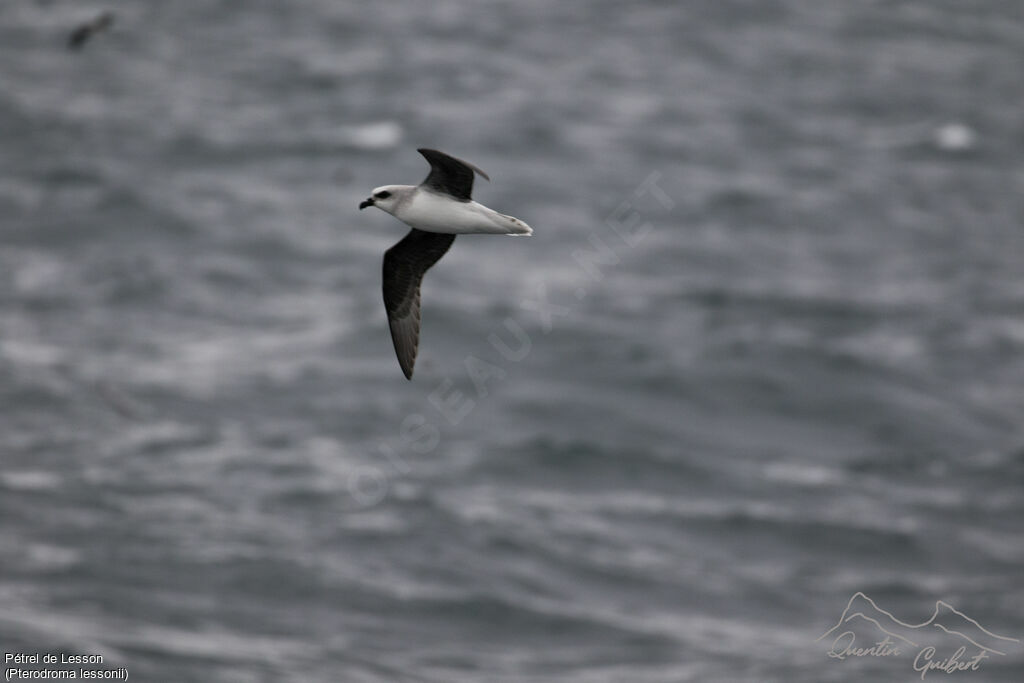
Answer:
(437, 210)
(85, 31)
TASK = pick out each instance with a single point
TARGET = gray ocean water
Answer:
(764, 350)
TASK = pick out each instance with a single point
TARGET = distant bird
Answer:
(437, 210)
(81, 35)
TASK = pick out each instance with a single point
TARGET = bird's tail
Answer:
(514, 226)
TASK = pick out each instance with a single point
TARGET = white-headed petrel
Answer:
(437, 210)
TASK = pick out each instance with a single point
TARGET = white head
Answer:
(387, 197)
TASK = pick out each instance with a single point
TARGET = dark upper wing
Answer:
(79, 36)
(404, 266)
(450, 175)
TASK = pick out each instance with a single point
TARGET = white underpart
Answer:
(433, 212)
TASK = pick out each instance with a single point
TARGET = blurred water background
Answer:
(802, 377)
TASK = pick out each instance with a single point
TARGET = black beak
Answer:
(365, 203)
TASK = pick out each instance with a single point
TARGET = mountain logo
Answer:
(931, 640)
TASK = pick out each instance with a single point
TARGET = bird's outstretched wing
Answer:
(450, 175)
(85, 31)
(404, 266)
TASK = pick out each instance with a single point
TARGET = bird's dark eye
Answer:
(383, 194)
